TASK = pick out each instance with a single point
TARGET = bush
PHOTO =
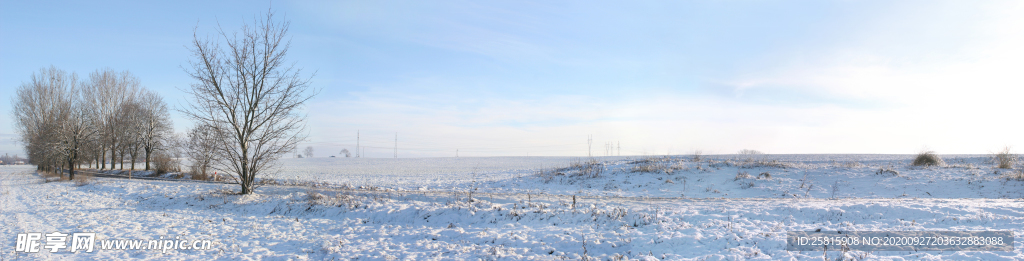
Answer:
(200, 176)
(1004, 159)
(928, 158)
(164, 163)
(742, 175)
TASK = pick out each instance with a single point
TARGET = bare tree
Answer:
(52, 120)
(155, 127)
(107, 90)
(346, 153)
(308, 152)
(251, 95)
(39, 107)
(77, 130)
(129, 119)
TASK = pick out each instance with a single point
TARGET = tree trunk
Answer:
(71, 168)
(133, 166)
(148, 151)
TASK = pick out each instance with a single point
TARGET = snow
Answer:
(522, 208)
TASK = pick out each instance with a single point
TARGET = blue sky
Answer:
(517, 78)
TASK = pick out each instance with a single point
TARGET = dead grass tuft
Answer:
(1004, 159)
(928, 158)
(742, 175)
(201, 176)
(887, 171)
(1015, 175)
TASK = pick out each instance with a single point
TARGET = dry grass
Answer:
(928, 158)
(1015, 175)
(742, 175)
(1004, 159)
(750, 163)
(577, 170)
(50, 176)
(82, 179)
(887, 171)
(308, 184)
(655, 165)
(850, 164)
(201, 176)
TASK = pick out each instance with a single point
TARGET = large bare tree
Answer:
(247, 92)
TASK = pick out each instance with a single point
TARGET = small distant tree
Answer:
(750, 152)
(201, 148)
(308, 151)
(346, 153)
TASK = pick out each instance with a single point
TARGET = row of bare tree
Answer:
(64, 122)
(246, 106)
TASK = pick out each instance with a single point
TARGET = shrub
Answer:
(164, 163)
(742, 175)
(1004, 159)
(928, 158)
(200, 176)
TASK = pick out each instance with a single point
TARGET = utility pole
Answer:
(456, 153)
(357, 144)
(590, 139)
(619, 147)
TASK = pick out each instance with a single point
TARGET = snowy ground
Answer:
(635, 208)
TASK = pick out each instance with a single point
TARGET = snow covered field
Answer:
(721, 207)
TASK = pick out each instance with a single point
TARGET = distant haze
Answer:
(538, 78)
